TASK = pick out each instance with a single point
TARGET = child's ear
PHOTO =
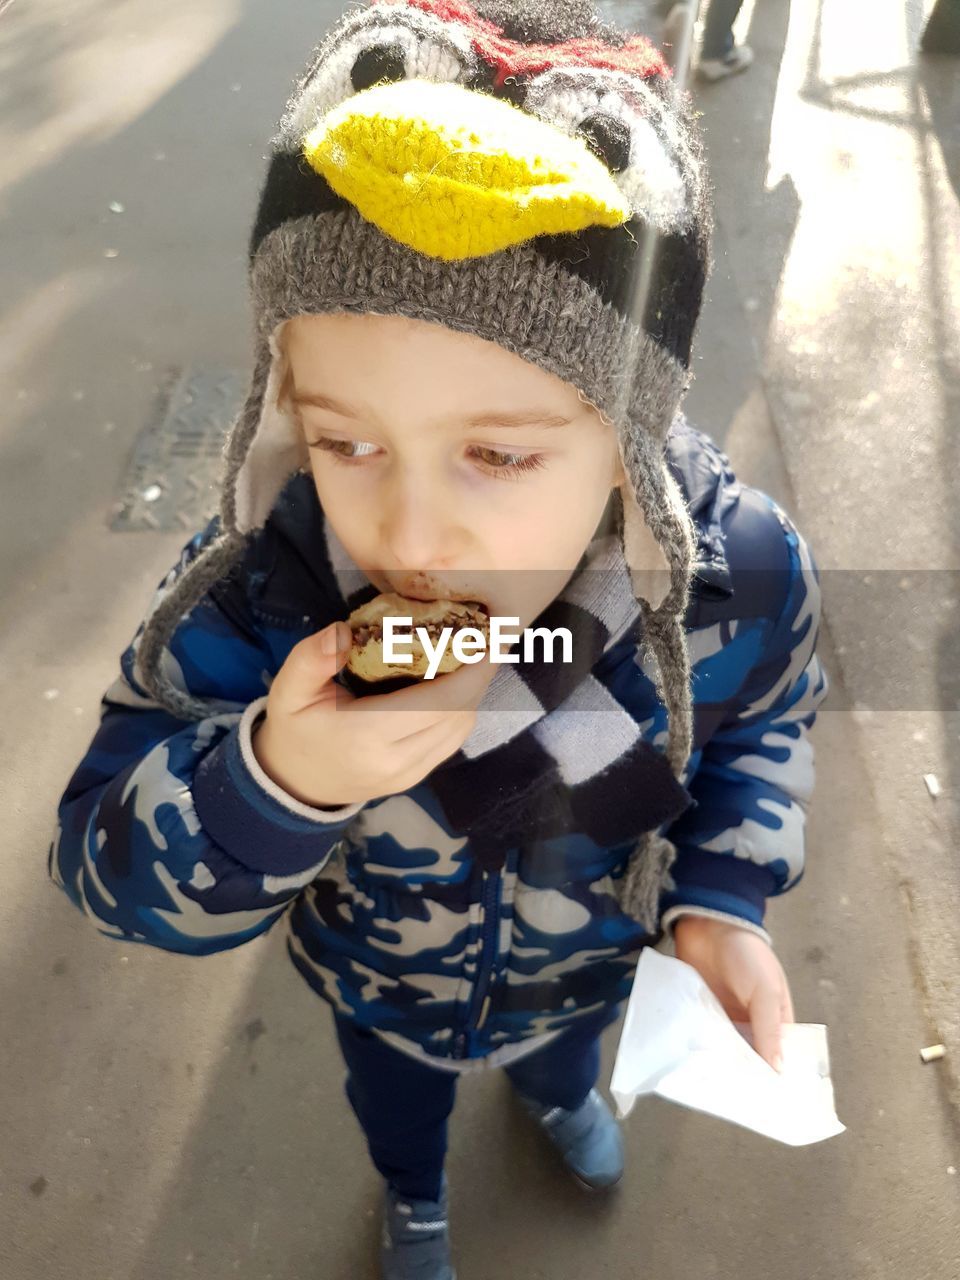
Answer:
(284, 373)
(648, 565)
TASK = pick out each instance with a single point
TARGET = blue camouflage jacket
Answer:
(166, 834)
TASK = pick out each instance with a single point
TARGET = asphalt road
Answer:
(164, 1116)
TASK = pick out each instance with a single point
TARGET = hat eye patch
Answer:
(375, 52)
(619, 120)
(609, 138)
(374, 66)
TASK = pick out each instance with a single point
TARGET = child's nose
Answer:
(419, 529)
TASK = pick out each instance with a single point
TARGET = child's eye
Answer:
(346, 450)
(502, 465)
(508, 465)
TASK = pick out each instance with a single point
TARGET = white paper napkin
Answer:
(678, 1042)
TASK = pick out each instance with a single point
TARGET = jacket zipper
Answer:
(480, 1004)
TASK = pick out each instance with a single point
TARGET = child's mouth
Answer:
(428, 593)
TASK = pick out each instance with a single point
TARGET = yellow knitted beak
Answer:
(454, 173)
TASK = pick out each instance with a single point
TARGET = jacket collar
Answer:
(711, 489)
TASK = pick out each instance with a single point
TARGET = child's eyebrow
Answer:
(517, 418)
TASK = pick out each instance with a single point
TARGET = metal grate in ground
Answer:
(173, 480)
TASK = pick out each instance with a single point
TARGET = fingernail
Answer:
(778, 1062)
(328, 641)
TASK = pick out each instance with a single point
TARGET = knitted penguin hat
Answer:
(513, 169)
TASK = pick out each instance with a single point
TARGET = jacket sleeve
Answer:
(169, 833)
(743, 841)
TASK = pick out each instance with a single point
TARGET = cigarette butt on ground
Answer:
(932, 1052)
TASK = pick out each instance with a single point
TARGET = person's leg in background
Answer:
(403, 1107)
(942, 32)
(720, 56)
(557, 1086)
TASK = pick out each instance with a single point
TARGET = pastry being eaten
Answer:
(367, 660)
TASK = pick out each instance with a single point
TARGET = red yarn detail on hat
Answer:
(509, 57)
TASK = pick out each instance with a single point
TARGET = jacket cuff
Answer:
(670, 918)
(254, 820)
(719, 885)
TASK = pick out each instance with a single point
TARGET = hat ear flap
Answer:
(648, 565)
(277, 449)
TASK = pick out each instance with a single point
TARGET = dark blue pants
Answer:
(403, 1105)
(718, 28)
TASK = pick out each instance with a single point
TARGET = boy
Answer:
(458, 394)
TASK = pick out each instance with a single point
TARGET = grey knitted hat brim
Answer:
(516, 298)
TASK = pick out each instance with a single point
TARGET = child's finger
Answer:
(765, 1024)
(422, 752)
(786, 1005)
(309, 668)
(420, 706)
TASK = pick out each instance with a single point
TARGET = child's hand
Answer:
(743, 973)
(328, 749)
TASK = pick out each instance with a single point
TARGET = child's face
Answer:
(429, 500)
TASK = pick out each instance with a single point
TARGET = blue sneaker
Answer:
(416, 1245)
(589, 1139)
